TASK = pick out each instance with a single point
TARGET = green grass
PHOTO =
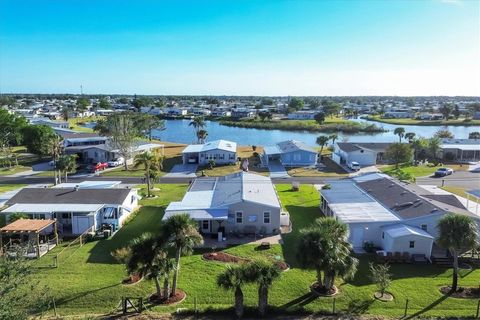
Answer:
(10, 187)
(88, 281)
(14, 169)
(453, 122)
(77, 123)
(420, 170)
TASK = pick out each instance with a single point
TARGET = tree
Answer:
(410, 136)
(39, 139)
(380, 275)
(266, 101)
(322, 141)
(444, 134)
(264, 115)
(319, 118)
(456, 112)
(66, 164)
(325, 247)
(103, 103)
(399, 153)
(11, 127)
(147, 259)
(182, 234)
(147, 122)
(400, 132)
(333, 137)
(433, 147)
(197, 123)
(296, 103)
(233, 278)
(445, 110)
(147, 160)
(202, 135)
(456, 233)
(331, 108)
(16, 216)
(474, 135)
(418, 145)
(82, 104)
(140, 102)
(122, 130)
(65, 111)
(263, 273)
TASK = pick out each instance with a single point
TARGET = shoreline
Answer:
(431, 123)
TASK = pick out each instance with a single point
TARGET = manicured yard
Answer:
(89, 280)
(10, 187)
(77, 123)
(420, 170)
(13, 170)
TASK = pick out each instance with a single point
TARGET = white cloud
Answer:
(454, 2)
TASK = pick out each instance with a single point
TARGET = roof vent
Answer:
(76, 188)
(405, 204)
(391, 186)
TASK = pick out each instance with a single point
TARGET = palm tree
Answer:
(322, 141)
(457, 232)
(263, 273)
(434, 146)
(325, 247)
(410, 136)
(400, 132)
(147, 160)
(181, 232)
(197, 123)
(66, 164)
(418, 145)
(333, 137)
(202, 135)
(233, 279)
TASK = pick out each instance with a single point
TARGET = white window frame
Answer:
(241, 217)
(269, 217)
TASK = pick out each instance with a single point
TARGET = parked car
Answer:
(99, 166)
(442, 172)
(354, 165)
(116, 162)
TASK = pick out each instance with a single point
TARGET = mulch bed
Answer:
(385, 298)
(462, 292)
(319, 290)
(132, 279)
(177, 298)
(230, 258)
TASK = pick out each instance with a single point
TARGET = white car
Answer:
(116, 162)
(354, 165)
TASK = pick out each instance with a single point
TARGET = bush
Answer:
(327, 187)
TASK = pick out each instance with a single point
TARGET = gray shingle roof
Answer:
(70, 195)
(353, 146)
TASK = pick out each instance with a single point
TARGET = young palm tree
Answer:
(66, 164)
(325, 247)
(322, 142)
(262, 273)
(434, 146)
(147, 160)
(410, 136)
(400, 132)
(197, 123)
(333, 137)
(233, 279)
(457, 232)
(181, 232)
(418, 145)
(202, 135)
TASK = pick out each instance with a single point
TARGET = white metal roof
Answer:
(465, 147)
(351, 204)
(90, 185)
(370, 176)
(54, 207)
(210, 214)
(212, 145)
(402, 230)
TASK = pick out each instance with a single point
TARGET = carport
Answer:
(190, 155)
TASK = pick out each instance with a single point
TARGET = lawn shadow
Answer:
(300, 301)
(427, 308)
(84, 293)
(359, 306)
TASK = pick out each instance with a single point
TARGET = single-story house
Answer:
(50, 123)
(241, 202)
(389, 214)
(302, 115)
(365, 153)
(76, 209)
(462, 150)
(81, 139)
(290, 153)
(221, 151)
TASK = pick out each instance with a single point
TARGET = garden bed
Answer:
(133, 279)
(462, 292)
(320, 290)
(230, 258)
(179, 296)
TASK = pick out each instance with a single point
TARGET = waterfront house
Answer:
(220, 151)
(461, 150)
(302, 115)
(290, 153)
(237, 203)
(365, 153)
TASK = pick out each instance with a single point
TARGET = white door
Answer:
(205, 226)
(357, 237)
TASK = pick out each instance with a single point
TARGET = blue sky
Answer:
(418, 47)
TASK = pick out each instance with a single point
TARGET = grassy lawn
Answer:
(88, 280)
(459, 192)
(77, 123)
(10, 187)
(454, 122)
(420, 170)
(13, 170)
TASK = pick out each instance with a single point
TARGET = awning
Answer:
(271, 150)
(201, 214)
(48, 208)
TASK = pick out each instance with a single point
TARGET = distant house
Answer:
(82, 139)
(104, 112)
(243, 113)
(50, 123)
(398, 114)
(365, 153)
(290, 153)
(76, 209)
(221, 113)
(302, 115)
(391, 215)
(476, 115)
(241, 202)
(175, 111)
(220, 151)
(462, 150)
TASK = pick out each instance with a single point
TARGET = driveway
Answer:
(182, 171)
(462, 179)
(277, 170)
(36, 169)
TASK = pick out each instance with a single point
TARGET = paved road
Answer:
(463, 179)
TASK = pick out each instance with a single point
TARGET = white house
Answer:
(302, 115)
(365, 153)
(389, 214)
(77, 209)
(462, 150)
(221, 151)
(290, 153)
(241, 202)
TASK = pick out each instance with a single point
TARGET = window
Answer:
(205, 224)
(252, 218)
(383, 235)
(65, 215)
(424, 227)
(239, 217)
(412, 244)
(266, 217)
